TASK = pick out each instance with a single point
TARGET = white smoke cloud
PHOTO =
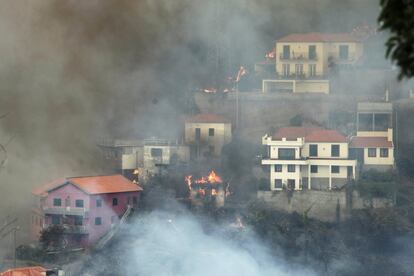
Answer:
(161, 244)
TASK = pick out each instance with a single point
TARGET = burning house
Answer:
(86, 207)
(208, 188)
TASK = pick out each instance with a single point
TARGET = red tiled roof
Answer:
(319, 37)
(104, 184)
(311, 134)
(370, 142)
(25, 271)
(43, 189)
(207, 118)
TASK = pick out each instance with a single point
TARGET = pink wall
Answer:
(108, 213)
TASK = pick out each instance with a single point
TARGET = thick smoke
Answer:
(163, 243)
(72, 72)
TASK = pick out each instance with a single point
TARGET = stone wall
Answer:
(323, 205)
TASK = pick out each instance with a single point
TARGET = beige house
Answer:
(373, 145)
(304, 61)
(308, 158)
(206, 134)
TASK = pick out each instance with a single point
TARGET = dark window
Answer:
(67, 202)
(286, 52)
(114, 201)
(372, 152)
(335, 150)
(314, 169)
(197, 134)
(291, 184)
(98, 221)
(55, 219)
(278, 183)
(313, 150)
(134, 200)
(57, 202)
(128, 200)
(78, 220)
(211, 132)
(211, 149)
(384, 152)
(99, 202)
(286, 154)
(291, 168)
(278, 168)
(312, 52)
(382, 121)
(343, 52)
(79, 203)
(156, 152)
(335, 169)
(365, 122)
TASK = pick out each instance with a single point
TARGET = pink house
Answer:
(87, 207)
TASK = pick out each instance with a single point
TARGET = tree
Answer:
(397, 16)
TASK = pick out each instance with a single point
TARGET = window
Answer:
(372, 152)
(57, 202)
(98, 221)
(314, 169)
(79, 203)
(291, 183)
(286, 154)
(211, 149)
(286, 51)
(334, 150)
(55, 220)
(312, 70)
(299, 69)
(343, 52)
(99, 202)
(128, 200)
(335, 169)
(197, 134)
(134, 200)
(211, 132)
(312, 52)
(291, 168)
(78, 220)
(383, 152)
(156, 152)
(114, 201)
(278, 168)
(313, 150)
(278, 184)
(286, 70)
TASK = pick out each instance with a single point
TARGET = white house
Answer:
(308, 158)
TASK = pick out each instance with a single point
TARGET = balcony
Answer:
(66, 211)
(71, 229)
(302, 56)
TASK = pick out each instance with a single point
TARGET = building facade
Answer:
(304, 61)
(373, 145)
(206, 134)
(86, 207)
(149, 156)
(308, 158)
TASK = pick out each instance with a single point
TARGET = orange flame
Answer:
(214, 178)
(214, 192)
(188, 179)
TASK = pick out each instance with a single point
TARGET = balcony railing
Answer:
(67, 211)
(71, 229)
(298, 56)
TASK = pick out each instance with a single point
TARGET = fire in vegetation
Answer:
(207, 188)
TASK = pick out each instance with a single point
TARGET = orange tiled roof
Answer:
(104, 184)
(311, 134)
(207, 118)
(319, 37)
(24, 271)
(370, 142)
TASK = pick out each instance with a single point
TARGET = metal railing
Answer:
(298, 56)
(68, 211)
